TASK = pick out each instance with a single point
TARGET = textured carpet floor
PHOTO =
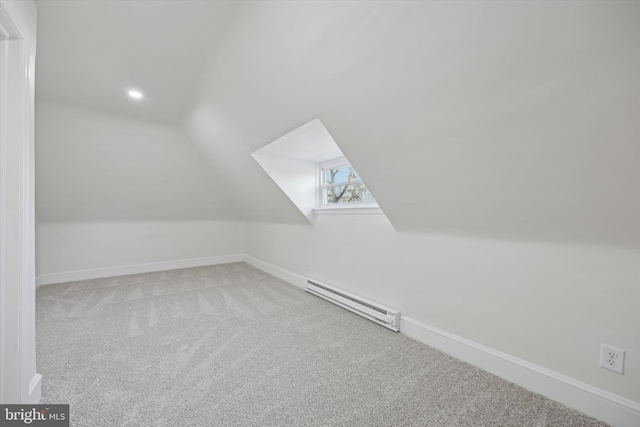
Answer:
(230, 345)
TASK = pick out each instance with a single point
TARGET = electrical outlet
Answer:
(612, 358)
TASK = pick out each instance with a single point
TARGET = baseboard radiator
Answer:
(380, 314)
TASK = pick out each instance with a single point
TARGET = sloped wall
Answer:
(97, 167)
(514, 121)
(114, 192)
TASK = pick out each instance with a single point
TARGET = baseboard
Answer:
(595, 402)
(35, 390)
(97, 273)
(280, 273)
(608, 407)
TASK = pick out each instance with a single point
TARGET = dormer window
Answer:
(340, 187)
(311, 170)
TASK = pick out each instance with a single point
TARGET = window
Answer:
(340, 186)
(298, 163)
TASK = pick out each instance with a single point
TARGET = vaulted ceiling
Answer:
(91, 52)
(515, 120)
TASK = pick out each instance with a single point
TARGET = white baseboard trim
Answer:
(608, 407)
(280, 273)
(35, 390)
(97, 273)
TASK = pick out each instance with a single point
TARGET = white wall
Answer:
(92, 166)
(549, 304)
(113, 193)
(296, 178)
(76, 246)
(513, 120)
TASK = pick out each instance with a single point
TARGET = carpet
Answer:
(230, 345)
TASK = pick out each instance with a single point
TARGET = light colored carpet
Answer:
(230, 345)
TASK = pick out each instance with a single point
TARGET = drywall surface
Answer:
(91, 52)
(296, 178)
(551, 305)
(503, 120)
(97, 167)
(290, 161)
(77, 246)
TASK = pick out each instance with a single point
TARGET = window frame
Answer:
(339, 208)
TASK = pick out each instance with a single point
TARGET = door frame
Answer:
(19, 381)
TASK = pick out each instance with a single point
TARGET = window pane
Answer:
(341, 174)
(355, 193)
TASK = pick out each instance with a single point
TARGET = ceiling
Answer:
(91, 52)
(514, 120)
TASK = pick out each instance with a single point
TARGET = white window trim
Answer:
(349, 210)
(344, 208)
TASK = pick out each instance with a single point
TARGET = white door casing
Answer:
(19, 381)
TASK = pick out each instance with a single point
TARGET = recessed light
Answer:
(135, 94)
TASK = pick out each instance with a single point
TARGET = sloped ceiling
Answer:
(514, 120)
(101, 156)
(91, 52)
(97, 167)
